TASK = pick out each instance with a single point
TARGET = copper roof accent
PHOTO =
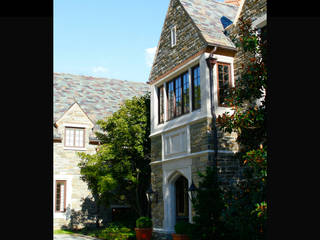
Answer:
(235, 2)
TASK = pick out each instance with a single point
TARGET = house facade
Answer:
(195, 62)
(79, 101)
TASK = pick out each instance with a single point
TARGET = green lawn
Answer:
(109, 233)
(60, 231)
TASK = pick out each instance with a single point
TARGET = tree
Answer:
(119, 172)
(245, 214)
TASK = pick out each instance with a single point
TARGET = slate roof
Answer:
(212, 18)
(98, 97)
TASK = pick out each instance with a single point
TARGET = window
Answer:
(185, 92)
(224, 82)
(74, 137)
(161, 105)
(60, 196)
(196, 94)
(170, 99)
(177, 91)
(173, 36)
(178, 96)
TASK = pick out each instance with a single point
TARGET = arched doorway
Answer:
(182, 200)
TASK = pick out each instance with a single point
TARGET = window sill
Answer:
(75, 148)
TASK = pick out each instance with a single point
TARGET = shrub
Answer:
(144, 222)
(182, 227)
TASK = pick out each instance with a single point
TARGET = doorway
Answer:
(182, 200)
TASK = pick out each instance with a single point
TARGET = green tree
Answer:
(245, 214)
(119, 172)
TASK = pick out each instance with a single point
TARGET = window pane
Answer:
(196, 96)
(69, 136)
(170, 100)
(161, 107)
(178, 96)
(186, 92)
(223, 81)
(60, 196)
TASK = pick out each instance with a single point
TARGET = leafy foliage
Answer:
(246, 206)
(144, 222)
(119, 171)
(208, 205)
(241, 212)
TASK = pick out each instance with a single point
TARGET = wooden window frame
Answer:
(161, 104)
(229, 81)
(65, 196)
(74, 137)
(192, 85)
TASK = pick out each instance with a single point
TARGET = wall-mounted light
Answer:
(192, 191)
(151, 195)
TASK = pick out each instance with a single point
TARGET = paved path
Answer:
(72, 237)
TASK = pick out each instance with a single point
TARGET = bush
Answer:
(144, 222)
(182, 227)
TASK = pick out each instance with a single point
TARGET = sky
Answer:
(107, 38)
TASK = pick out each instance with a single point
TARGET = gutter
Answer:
(210, 63)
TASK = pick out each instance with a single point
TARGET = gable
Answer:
(75, 116)
(189, 41)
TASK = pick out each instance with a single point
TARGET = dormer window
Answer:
(74, 137)
(173, 36)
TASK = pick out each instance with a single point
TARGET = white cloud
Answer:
(149, 53)
(99, 69)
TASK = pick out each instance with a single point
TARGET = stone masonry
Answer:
(189, 41)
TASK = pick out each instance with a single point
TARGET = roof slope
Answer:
(212, 18)
(98, 97)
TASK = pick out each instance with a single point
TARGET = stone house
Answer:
(195, 62)
(79, 101)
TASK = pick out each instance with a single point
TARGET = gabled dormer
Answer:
(74, 127)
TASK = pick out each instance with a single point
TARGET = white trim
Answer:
(238, 14)
(68, 179)
(190, 155)
(179, 70)
(75, 148)
(173, 36)
(171, 171)
(260, 22)
(75, 125)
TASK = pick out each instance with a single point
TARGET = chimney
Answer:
(234, 2)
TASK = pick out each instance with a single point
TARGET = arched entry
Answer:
(181, 199)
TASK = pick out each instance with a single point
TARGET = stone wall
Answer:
(202, 138)
(189, 41)
(252, 9)
(157, 210)
(156, 148)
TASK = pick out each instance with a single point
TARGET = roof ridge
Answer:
(87, 77)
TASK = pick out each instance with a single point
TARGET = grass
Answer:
(109, 233)
(60, 231)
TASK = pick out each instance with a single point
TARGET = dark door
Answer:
(182, 201)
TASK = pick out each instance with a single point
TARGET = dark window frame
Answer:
(193, 80)
(173, 108)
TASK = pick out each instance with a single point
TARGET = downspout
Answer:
(210, 63)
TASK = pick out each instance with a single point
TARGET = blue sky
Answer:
(107, 38)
